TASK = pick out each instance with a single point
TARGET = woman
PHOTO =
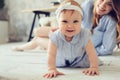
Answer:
(102, 25)
(100, 17)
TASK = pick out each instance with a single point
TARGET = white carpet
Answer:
(31, 65)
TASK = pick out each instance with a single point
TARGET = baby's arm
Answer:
(52, 71)
(93, 70)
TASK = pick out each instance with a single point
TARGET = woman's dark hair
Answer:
(116, 7)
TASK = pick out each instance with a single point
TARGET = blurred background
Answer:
(15, 24)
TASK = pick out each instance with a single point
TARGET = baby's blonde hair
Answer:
(73, 2)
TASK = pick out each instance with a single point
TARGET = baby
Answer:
(70, 45)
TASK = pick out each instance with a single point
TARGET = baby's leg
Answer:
(43, 42)
(34, 43)
(42, 32)
(40, 39)
(28, 46)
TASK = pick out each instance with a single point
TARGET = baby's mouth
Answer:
(69, 30)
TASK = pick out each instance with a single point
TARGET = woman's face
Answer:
(69, 23)
(103, 7)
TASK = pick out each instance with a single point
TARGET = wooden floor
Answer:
(31, 65)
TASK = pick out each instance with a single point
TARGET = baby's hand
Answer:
(52, 73)
(91, 71)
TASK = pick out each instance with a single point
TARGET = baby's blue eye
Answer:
(75, 21)
(64, 21)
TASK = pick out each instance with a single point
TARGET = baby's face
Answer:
(70, 22)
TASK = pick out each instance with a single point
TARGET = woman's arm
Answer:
(108, 40)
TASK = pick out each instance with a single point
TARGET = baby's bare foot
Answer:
(17, 48)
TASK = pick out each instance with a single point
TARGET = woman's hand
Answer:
(52, 73)
(91, 71)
